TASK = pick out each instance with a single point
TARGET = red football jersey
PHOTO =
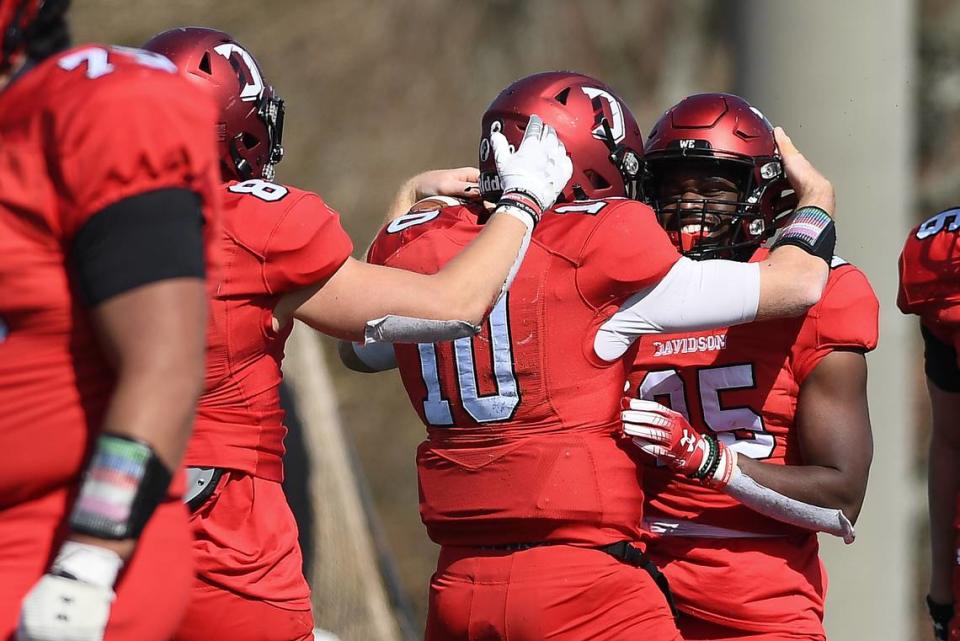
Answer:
(524, 419)
(81, 131)
(274, 239)
(930, 276)
(742, 384)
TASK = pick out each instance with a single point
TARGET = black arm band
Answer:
(812, 230)
(139, 240)
(123, 484)
(940, 362)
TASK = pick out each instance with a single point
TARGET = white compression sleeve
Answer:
(693, 296)
(770, 503)
(377, 356)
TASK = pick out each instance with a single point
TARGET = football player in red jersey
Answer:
(524, 482)
(107, 191)
(784, 400)
(283, 250)
(930, 288)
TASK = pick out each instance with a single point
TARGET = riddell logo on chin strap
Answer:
(490, 182)
(712, 343)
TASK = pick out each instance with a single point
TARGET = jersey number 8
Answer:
(259, 188)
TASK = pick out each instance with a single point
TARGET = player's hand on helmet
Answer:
(533, 175)
(667, 436)
(462, 182)
(940, 614)
(71, 602)
(811, 187)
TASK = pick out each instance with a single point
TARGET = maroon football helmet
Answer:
(601, 135)
(723, 133)
(251, 113)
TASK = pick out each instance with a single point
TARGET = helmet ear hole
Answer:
(596, 180)
(249, 140)
(563, 96)
(205, 63)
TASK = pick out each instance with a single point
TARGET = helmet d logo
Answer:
(617, 126)
(254, 82)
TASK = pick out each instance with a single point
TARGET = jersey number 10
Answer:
(483, 409)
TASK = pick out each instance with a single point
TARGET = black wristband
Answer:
(123, 484)
(715, 463)
(524, 202)
(812, 230)
(712, 459)
(139, 240)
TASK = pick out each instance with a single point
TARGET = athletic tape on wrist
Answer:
(87, 563)
(123, 484)
(728, 460)
(523, 215)
(812, 230)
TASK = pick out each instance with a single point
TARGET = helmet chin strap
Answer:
(625, 160)
(239, 162)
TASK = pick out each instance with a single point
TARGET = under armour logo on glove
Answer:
(668, 436)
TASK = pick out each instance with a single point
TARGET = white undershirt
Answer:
(693, 296)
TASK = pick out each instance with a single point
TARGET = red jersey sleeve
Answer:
(846, 318)
(306, 246)
(626, 252)
(930, 275)
(133, 130)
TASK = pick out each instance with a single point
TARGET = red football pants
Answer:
(250, 584)
(152, 590)
(556, 592)
(694, 629)
(216, 613)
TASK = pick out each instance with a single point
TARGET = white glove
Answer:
(60, 608)
(534, 175)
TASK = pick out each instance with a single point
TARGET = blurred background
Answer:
(379, 90)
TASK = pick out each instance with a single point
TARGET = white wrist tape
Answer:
(515, 212)
(783, 508)
(87, 563)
